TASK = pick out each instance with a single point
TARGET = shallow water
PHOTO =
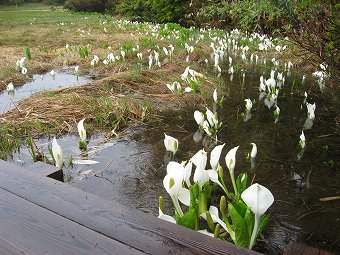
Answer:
(132, 168)
(40, 82)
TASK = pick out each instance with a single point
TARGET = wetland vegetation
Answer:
(262, 100)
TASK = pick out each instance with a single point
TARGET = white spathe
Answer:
(215, 96)
(249, 104)
(213, 210)
(170, 143)
(172, 183)
(206, 232)
(10, 87)
(311, 110)
(212, 118)
(199, 117)
(165, 217)
(206, 128)
(230, 159)
(23, 70)
(258, 198)
(81, 130)
(302, 140)
(200, 159)
(201, 176)
(253, 150)
(215, 156)
(57, 153)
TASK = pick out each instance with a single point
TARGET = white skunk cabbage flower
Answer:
(213, 210)
(200, 159)
(302, 141)
(23, 70)
(20, 62)
(215, 96)
(81, 130)
(212, 118)
(172, 183)
(188, 90)
(10, 87)
(215, 156)
(174, 87)
(170, 143)
(185, 74)
(206, 128)
(249, 104)
(166, 52)
(230, 159)
(165, 217)
(253, 150)
(57, 154)
(201, 175)
(311, 110)
(279, 76)
(199, 117)
(258, 198)
(206, 232)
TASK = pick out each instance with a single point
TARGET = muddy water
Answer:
(39, 82)
(132, 168)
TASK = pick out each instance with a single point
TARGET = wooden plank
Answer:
(129, 226)
(46, 170)
(295, 248)
(29, 229)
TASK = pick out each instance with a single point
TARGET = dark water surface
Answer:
(39, 82)
(132, 168)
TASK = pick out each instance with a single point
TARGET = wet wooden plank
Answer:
(295, 248)
(46, 170)
(26, 228)
(42, 168)
(139, 230)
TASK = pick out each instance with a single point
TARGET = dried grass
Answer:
(60, 110)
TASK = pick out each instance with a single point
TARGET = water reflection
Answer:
(131, 170)
(63, 78)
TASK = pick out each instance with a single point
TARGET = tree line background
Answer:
(313, 24)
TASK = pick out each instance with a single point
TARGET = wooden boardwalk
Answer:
(39, 215)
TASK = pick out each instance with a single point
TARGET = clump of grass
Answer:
(58, 112)
(9, 140)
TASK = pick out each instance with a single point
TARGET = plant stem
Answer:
(234, 184)
(254, 234)
(177, 206)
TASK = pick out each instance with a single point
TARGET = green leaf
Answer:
(203, 197)
(241, 208)
(240, 227)
(189, 219)
(194, 193)
(241, 182)
(249, 217)
(263, 222)
(27, 53)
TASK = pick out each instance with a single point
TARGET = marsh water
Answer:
(39, 82)
(131, 168)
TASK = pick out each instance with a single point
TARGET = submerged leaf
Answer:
(84, 162)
